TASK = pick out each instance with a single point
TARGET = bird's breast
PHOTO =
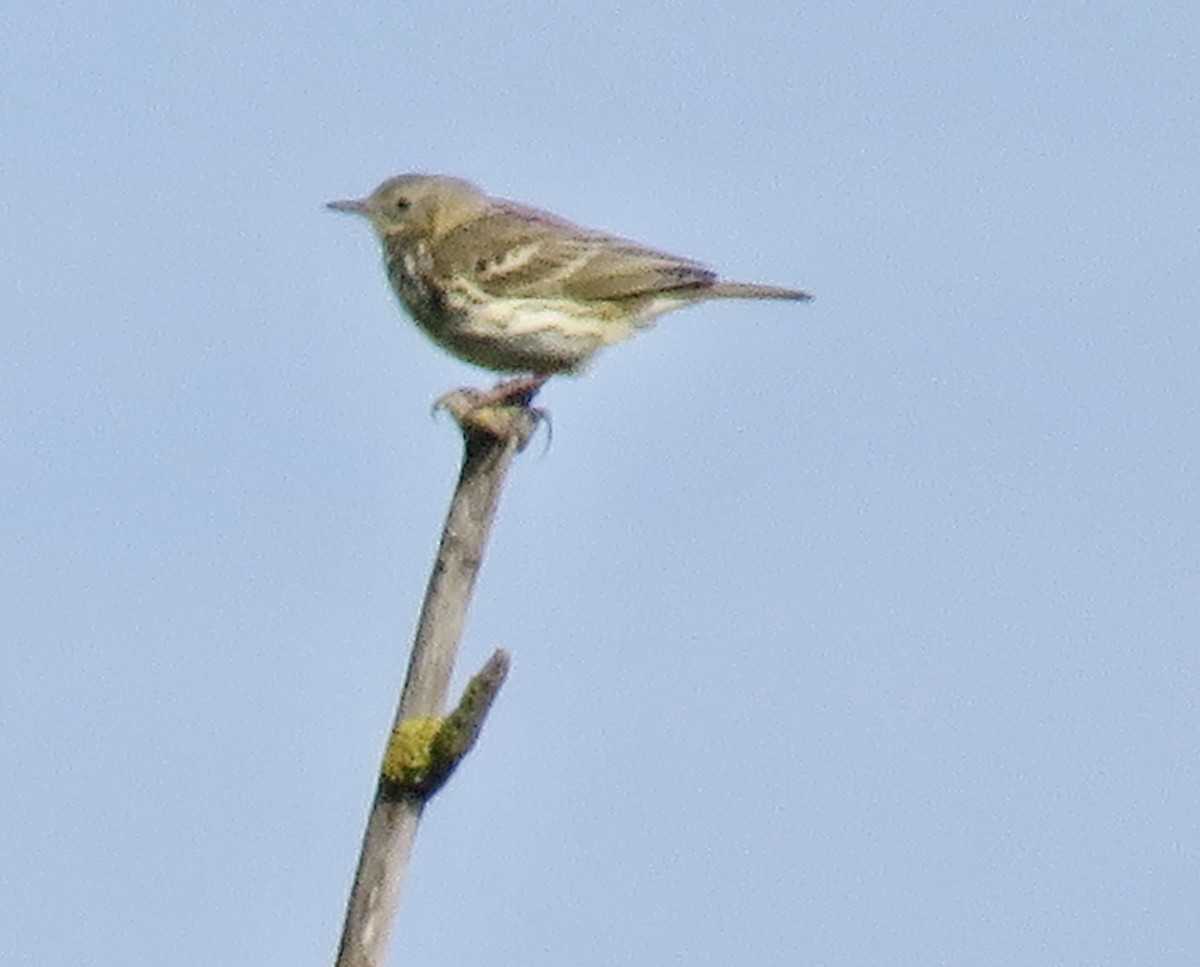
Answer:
(410, 270)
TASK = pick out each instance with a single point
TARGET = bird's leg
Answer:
(520, 391)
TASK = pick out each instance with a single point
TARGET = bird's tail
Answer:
(749, 290)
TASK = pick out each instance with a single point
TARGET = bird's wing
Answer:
(516, 252)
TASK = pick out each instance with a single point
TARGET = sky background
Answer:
(856, 633)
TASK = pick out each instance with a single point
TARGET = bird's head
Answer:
(417, 206)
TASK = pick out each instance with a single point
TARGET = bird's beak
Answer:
(356, 206)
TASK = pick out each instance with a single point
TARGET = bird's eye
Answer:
(402, 204)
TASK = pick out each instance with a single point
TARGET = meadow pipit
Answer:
(518, 290)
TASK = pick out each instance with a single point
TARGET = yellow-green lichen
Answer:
(410, 751)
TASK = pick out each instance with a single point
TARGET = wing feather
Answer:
(512, 251)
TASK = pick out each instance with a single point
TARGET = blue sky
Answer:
(856, 633)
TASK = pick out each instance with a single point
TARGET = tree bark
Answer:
(425, 747)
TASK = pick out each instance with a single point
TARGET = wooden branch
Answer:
(424, 748)
(423, 753)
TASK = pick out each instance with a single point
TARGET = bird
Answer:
(518, 290)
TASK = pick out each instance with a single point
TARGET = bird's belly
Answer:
(523, 335)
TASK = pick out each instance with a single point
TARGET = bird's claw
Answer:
(501, 411)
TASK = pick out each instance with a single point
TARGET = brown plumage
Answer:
(518, 290)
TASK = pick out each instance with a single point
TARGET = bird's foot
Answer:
(500, 411)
